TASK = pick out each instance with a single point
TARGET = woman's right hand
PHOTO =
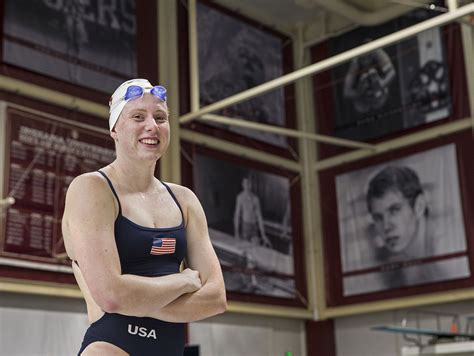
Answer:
(193, 281)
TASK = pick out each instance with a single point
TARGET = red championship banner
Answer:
(42, 157)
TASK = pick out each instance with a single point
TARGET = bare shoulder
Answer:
(88, 189)
(89, 180)
(184, 195)
(87, 203)
(187, 199)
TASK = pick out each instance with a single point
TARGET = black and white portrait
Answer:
(391, 88)
(367, 81)
(235, 56)
(401, 223)
(89, 43)
(249, 218)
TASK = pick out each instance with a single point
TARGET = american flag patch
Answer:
(163, 246)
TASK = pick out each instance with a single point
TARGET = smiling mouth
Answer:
(150, 141)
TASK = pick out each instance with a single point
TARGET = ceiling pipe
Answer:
(452, 5)
(360, 17)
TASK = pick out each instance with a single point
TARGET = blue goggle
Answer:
(135, 91)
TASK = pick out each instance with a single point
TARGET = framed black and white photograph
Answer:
(84, 43)
(254, 223)
(236, 54)
(401, 223)
(79, 44)
(392, 89)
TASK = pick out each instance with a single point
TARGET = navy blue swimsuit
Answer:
(149, 252)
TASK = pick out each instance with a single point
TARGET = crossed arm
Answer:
(88, 226)
(201, 257)
(384, 68)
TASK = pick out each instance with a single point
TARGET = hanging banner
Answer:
(89, 43)
(42, 158)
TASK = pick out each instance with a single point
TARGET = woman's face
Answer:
(142, 131)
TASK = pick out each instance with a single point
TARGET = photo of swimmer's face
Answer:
(395, 220)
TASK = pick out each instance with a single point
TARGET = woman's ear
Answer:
(113, 134)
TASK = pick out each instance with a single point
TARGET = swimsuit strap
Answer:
(175, 200)
(113, 190)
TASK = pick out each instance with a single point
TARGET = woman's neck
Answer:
(135, 176)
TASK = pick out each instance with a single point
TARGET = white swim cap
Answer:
(117, 100)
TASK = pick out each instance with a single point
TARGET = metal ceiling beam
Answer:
(284, 131)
